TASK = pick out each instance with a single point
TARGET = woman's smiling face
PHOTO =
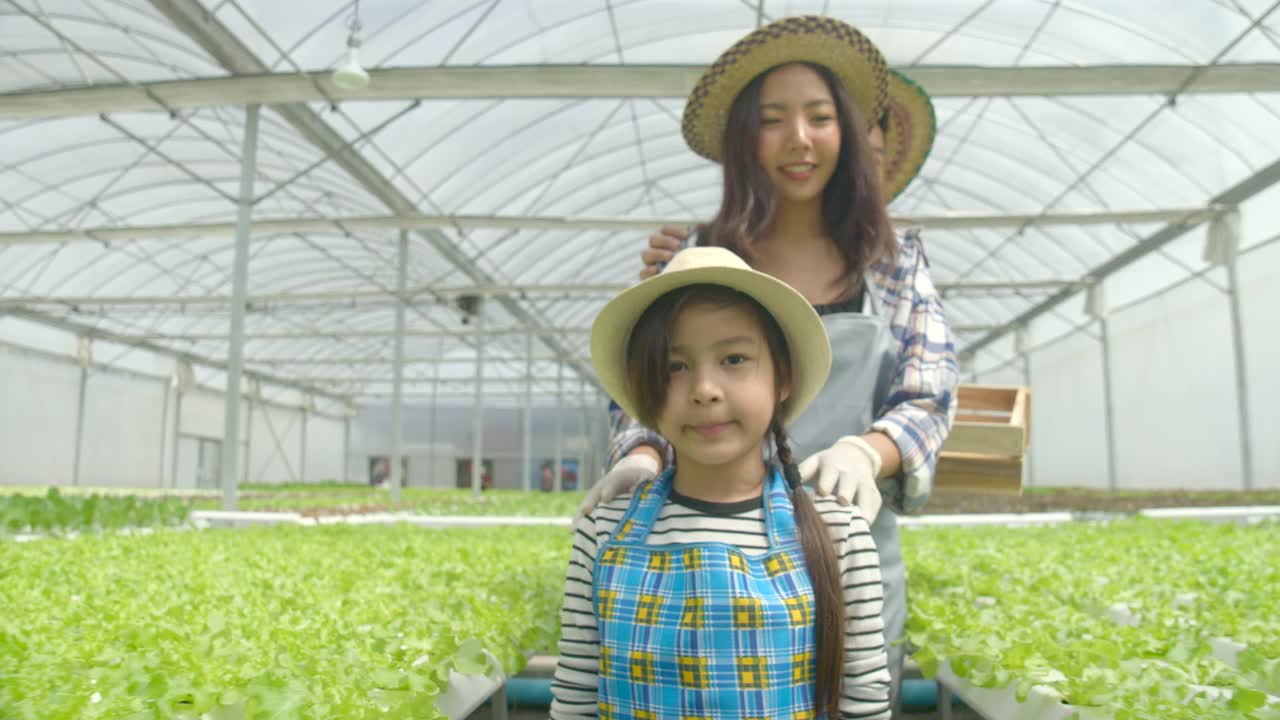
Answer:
(799, 133)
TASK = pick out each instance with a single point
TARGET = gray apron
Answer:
(864, 357)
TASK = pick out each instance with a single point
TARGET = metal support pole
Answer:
(588, 450)
(248, 435)
(239, 289)
(477, 417)
(431, 437)
(302, 461)
(526, 468)
(600, 431)
(1109, 404)
(164, 433)
(397, 371)
(1242, 376)
(346, 449)
(177, 432)
(556, 483)
(606, 436)
(84, 383)
(1026, 380)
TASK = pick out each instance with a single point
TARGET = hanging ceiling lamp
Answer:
(350, 74)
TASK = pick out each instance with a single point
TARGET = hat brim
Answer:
(912, 127)
(831, 43)
(806, 336)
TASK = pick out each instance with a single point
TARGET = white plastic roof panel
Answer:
(570, 158)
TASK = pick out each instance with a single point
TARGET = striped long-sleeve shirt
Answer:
(865, 691)
(921, 404)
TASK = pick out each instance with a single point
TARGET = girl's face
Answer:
(799, 133)
(722, 393)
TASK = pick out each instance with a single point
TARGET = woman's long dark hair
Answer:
(648, 379)
(853, 209)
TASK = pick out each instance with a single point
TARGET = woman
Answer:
(782, 110)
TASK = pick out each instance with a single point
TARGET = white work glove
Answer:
(629, 472)
(850, 467)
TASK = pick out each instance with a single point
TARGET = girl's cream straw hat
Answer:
(806, 336)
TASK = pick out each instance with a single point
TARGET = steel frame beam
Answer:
(336, 333)
(488, 379)
(364, 296)
(342, 226)
(380, 360)
(145, 343)
(1239, 193)
(193, 19)
(253, 83)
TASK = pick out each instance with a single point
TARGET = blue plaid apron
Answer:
(704, 630)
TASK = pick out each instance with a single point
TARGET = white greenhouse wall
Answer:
(433, 455)
(1173, 384)
(122, 430)
(37, 418)
(1068, 438)
(1173, 373)
(324, 449)
(276, 446)
(129, 428)
(1260, 308)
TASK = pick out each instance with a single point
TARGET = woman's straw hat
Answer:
(831, 43)
(912, 126)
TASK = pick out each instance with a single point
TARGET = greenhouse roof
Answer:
(527, 147)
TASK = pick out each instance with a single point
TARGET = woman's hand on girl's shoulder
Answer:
(663, 245)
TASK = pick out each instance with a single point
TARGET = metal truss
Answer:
(956, 220)
(594, 81)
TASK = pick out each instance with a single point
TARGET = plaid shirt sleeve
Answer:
(921, 405)
(628, 434)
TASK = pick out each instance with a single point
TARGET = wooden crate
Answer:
(988, 443)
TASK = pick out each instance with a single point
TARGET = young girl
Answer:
(783, 110)
(720, 589)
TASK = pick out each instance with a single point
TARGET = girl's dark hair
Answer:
(648, 379)
(824, 574)
(853, 209)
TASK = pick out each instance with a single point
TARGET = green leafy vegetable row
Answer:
(427, 501)
(55, 511)
(1035, 606)
(333, 498)
(284, 622)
